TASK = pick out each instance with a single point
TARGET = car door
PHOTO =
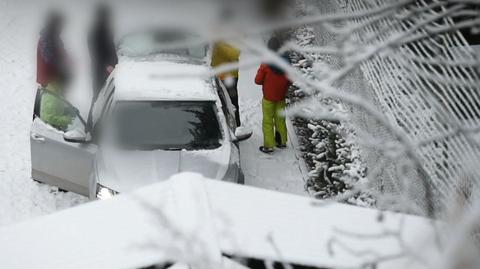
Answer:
(229, 111)
(57, 162)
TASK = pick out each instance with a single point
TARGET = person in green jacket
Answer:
(52, 109)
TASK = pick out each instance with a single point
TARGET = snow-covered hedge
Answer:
(327, 147)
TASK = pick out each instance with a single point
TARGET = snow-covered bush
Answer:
(327, 146)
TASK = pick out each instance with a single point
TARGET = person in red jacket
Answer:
(275, 85)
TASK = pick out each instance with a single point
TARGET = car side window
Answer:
(223, 99)
(59, 113)
(98, 107)
(107, 87)
(97, 128)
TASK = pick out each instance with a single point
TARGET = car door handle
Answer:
(38, 138)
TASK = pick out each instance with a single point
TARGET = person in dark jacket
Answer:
(52, 62)
(102, 49)
(275, 85)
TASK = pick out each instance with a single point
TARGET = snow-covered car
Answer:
(152, 120)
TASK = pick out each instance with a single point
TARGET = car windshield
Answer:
(167, 125)
(163, 42)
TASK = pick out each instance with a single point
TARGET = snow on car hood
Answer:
(128, 170)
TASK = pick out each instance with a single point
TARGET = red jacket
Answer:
(44, 72)
(50, 58)
(275, 83)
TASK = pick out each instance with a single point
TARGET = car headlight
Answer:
(104, 193)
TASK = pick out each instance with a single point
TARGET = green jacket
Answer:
(52, 112)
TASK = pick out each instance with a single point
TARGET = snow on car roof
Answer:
(162, 81)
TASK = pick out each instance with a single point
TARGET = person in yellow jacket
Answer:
(224, 53)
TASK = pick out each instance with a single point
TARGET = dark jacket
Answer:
(51, 59)
(102, 51)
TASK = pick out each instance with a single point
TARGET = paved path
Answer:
(279, 171)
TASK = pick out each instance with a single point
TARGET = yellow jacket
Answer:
(223, 53)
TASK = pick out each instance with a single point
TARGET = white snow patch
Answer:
(162, 81)
(20, 197)
(193, 220)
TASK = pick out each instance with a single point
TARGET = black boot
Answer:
(266, 150)
(278, 140)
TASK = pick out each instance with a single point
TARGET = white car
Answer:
(151, 120)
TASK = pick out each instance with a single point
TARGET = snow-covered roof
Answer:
(189, 219)
(162, 81)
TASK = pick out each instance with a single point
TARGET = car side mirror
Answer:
(242, 134)
(76, 136)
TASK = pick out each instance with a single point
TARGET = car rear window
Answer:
(168, 125)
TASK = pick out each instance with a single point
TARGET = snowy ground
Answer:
(20, 197)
